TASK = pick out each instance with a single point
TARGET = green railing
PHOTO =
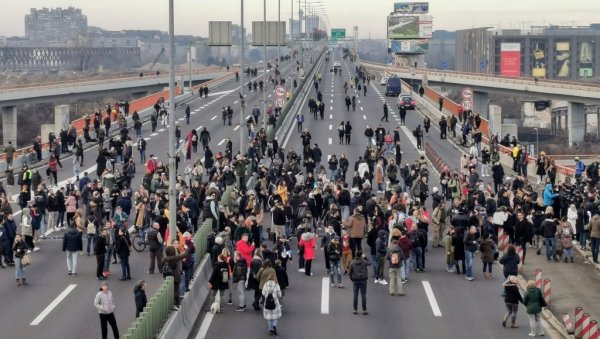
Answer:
(200, 242)
(155, 313)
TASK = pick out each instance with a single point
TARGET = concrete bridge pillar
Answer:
(61, 119)
(9, 124)
(576, 122)
(495, 119)
(481, 101)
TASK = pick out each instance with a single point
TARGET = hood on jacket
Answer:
(382, 234)
(549, 187)
(307, 236)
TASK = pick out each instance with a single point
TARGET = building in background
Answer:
(473, 50)
(55, 25)
(442, 47)
(552, 52)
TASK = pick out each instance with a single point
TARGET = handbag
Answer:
(26, 259)
(542, 301)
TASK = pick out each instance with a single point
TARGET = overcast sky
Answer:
(192, 16)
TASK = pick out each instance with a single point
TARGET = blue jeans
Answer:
(138, 133)
(583, 238)
(143, 155)
(336, 269)
(362, 287)
(416, 255)
(19, 269)
(404, 271)
(272, 324)
(551, 248)
(125, 267)
(374, 263)
(469, 263)
(107, 258)
(332, 174)
(595, 247)
(389, 148)
(90, 242)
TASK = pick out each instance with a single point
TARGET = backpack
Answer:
(91, 228)
(395, 258)
(415, 133)
(270, 302)
(224, 275)
(167, 270)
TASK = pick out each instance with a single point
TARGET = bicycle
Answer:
(138, 241)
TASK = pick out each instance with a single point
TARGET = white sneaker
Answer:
(35, 249)
(532, 334)
(383, 282)
(301, 270)
(377, 281)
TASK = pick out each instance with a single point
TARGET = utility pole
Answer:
(265, 86)
(242, 99)
(278, 41)
(190, 71)
(172, 151)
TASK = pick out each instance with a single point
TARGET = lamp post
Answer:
(264, 113)
(242, 100)
(172, 152)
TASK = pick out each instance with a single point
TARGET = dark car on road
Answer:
(406, 102)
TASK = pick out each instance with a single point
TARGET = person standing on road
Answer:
(369, 135)
(187, 115)
(365, 90)
(418, 133)
(359, 274)
(512, 297)
(395, 257)
(348, 132)
(271, 293)
(72, 244)
(549, 228)
(20, 248)
(534, 301)
(443, 127)
(139, 293)
(487, 249)
(441, 103)
(470, 242)
(240, 271)
(385, 112)
(155, 242)
(10, 152)
(356, 226)
(594, 236)
(105, 305)
(122, 249)
(299, 121)
(427, 125)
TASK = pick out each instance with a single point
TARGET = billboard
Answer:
(562, 62)
(409, 46)
(219, 33)
(411, 7)
(273, 37)
(538, 68)
(586, 58)
(510, 59)
(409, 27)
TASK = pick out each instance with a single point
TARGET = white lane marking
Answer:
(329, 140)
(196, 110)
(146, 139)
(269, 96)
(325, 296)
(330, 116)
(330, 127)
(161, 130)
(358, 101)
(205, 326)
(328, 157)
(432, 301)
(194, 113)
(331, 101)
(153, 134)
(53, 305)
(180, 119)
(235, 102)
(410, 136)
(213, 118)
(331, 108)
(221, 142)
(364, 117)
(362, 109)
(199, 128)
(248, 117)
(236, 127)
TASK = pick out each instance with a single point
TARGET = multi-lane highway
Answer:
(55, 305)
(437, 304)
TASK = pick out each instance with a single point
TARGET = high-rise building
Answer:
(55, 25)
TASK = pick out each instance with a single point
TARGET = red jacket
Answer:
(309, 243)
(245, 250)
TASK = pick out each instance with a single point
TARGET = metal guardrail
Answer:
(154, 314)
(201, 242)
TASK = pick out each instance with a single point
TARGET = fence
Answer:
(155, 313)
(200, 241)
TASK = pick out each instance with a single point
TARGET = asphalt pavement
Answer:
(60, 310)
(437, 303)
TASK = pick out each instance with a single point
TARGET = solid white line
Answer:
(330, 141)
(53, 305)
(154, 134)
(205, 326)
(364, 117)
(432, 301)
(213, 118)
(236, 127)
(325, 296)
(221, 142)
(410, 137)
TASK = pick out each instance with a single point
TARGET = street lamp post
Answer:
(265, 86)
(172, 152)
(537, 140)
(278, 41)
(241, 72)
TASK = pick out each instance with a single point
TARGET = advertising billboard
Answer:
(562, 61)
(586, 58)
(403, 27)
(510, 59)
(409, 46)
(411, 7)
(538, 68)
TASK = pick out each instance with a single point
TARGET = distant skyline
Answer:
(192, 16)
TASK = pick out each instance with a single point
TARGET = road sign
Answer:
(280, 102)
(444, 65)
(467, 105)
(280, 91)
(467, 93)
(338, 33)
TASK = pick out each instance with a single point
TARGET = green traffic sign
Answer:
(338, 33)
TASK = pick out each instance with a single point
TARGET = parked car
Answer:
(384, 81)
(406, 102)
